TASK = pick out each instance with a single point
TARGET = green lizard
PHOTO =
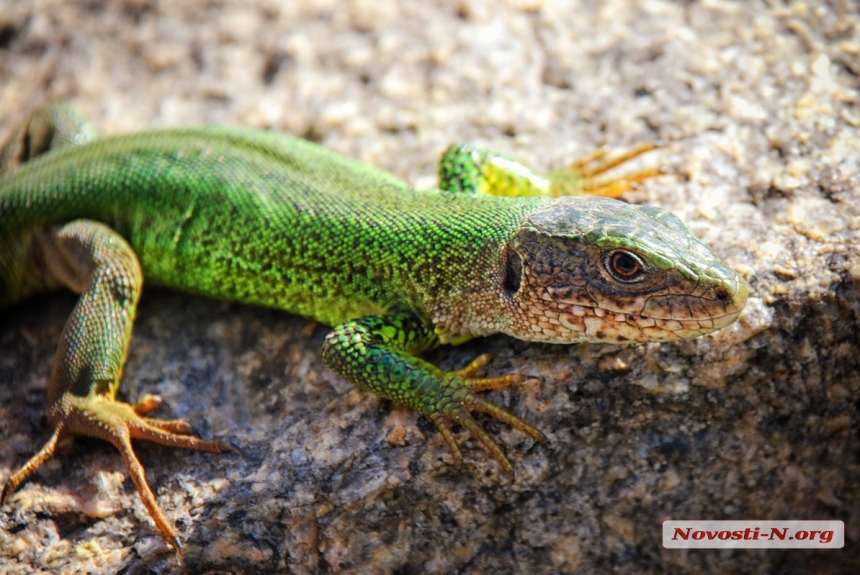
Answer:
(266, 219)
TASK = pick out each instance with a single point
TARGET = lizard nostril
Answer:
(723, 295)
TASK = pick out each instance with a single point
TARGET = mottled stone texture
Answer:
(758, 104)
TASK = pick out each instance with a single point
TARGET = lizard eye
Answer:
(624, 266)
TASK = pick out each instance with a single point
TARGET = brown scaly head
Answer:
(596, 269)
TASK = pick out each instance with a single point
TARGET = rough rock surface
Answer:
(758, 102)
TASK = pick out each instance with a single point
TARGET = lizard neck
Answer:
(455, 266)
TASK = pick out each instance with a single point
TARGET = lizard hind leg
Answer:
(51, 126)
(117, 422)
(93, 260)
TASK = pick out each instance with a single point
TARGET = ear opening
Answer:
(513, 272)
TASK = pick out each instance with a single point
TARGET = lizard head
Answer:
(595, 269)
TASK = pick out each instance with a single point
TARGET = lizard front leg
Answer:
(93, 260)
(467, 169)
(377, 353)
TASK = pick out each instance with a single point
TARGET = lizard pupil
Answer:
(625, 265)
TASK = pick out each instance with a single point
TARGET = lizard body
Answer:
(262, 218)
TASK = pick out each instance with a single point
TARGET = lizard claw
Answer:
(119, 423)
(460, 389)
(581, 176)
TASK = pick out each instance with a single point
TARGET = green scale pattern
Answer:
(284, 223)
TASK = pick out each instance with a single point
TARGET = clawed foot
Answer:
(460, 388)
(118, 422)
(585, 172)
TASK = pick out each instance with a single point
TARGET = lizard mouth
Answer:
(709, 306)
(645, 319)
(598, 324)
